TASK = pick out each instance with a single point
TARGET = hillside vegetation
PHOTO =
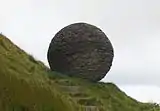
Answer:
(28, 85)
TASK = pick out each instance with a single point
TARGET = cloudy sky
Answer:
(133, 26)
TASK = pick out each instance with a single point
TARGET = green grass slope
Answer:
(28, 85)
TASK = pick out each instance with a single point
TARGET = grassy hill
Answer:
(28, 85)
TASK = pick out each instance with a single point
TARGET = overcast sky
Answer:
(133, 26)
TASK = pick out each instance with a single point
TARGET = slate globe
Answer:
(81, 50)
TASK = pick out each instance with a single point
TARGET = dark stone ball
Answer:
(81, 50)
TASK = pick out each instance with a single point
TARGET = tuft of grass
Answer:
(32, 59)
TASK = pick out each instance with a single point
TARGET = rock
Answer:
(81, 50)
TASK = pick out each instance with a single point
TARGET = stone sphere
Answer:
(81, 50)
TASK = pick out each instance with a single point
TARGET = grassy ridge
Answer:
(27, 85)
(23, 84)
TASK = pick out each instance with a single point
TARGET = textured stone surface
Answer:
(81, 50)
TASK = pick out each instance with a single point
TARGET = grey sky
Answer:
(133, 26)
